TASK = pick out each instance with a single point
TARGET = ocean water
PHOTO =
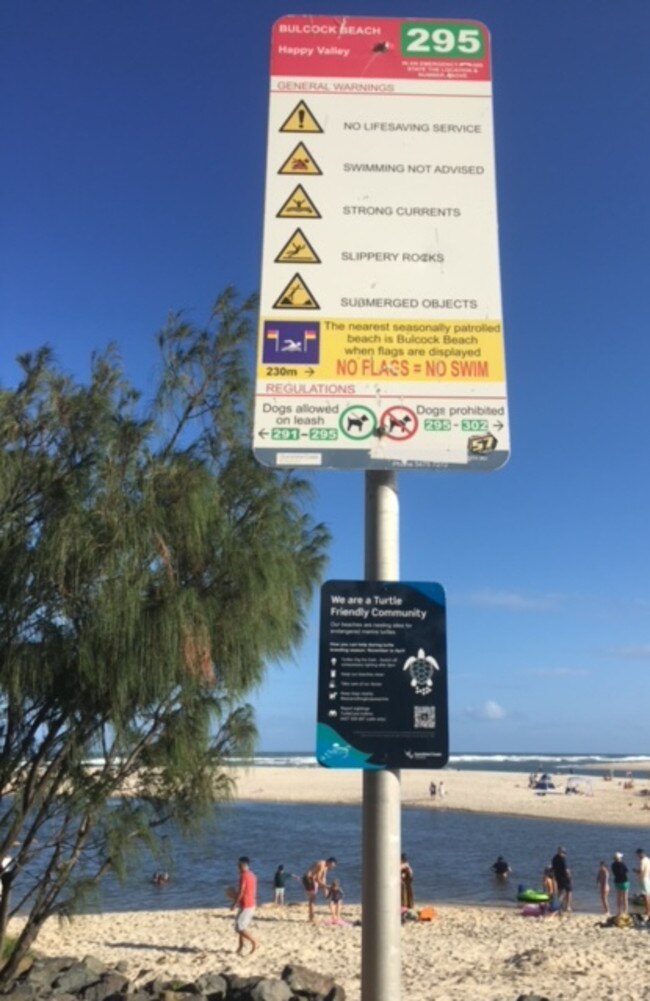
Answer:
(578, 764)
(451, 853)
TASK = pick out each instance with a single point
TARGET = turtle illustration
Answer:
(421, 670)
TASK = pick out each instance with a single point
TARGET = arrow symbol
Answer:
(310, 371)
(498, 425)
(263, 433)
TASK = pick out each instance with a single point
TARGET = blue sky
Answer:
(131, 185)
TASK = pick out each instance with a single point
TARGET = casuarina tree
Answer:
(150, 569)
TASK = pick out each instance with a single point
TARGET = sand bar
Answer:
(505, 793)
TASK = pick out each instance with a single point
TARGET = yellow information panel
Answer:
(444, 351)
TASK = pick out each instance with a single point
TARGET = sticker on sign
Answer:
(380, 335)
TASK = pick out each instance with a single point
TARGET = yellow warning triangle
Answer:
(301, 119)
(296, 295)
(298, 250)
(300, 162)
(299, 206)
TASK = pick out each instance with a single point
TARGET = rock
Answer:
(75, 979)
(94, 965)
(111, 986)
(213, 985)
(272, 990)
(66, 979)
(309, 984)
(241, 988)
(43, 972)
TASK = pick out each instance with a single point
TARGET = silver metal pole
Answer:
(381, 965)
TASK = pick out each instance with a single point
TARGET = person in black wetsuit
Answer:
(501, 869)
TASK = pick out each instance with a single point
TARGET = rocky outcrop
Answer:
(69, 979)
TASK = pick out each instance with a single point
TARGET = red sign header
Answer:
(310, 45)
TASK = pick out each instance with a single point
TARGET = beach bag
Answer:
(427, 914)
(621, 921)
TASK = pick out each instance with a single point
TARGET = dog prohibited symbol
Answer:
(357, 423)
(398, 423)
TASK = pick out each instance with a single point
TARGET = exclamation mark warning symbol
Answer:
(301, 119)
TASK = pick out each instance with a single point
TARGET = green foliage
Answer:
(149, 570)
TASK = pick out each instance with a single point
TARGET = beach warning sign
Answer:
(380, 205)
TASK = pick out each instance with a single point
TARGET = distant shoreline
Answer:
(493, 792)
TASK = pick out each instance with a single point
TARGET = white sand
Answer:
(504, 793)
(468, 954)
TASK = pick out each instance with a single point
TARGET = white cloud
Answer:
(490, 710)
(512, 600)
(559, 672)
(640, 652)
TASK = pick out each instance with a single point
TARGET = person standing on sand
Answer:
(335, 896)
(316, 878)
(406, 884)
(643, 872)
(602, 881)
(562, 876)
(279, 883)
(245, 902)
(621, 883)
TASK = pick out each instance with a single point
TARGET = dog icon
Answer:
(401, 423)
(356, 421)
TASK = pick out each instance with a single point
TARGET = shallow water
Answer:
(451, 853)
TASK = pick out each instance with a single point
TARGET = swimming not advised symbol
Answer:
(421, 670)
(301, 119)
(296, 295)
(300, 161)
(299, 206)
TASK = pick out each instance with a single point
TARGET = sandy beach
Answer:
(466, 954)
(504, 793)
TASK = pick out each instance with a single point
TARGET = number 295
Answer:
(452, 41)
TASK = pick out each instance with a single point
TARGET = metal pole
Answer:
(381, 965)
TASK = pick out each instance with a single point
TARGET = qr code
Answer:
(424, 717)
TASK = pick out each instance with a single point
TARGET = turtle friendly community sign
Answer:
(380, 333)
(382, 686)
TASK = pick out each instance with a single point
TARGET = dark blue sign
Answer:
(382, 686)
(291, 341)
